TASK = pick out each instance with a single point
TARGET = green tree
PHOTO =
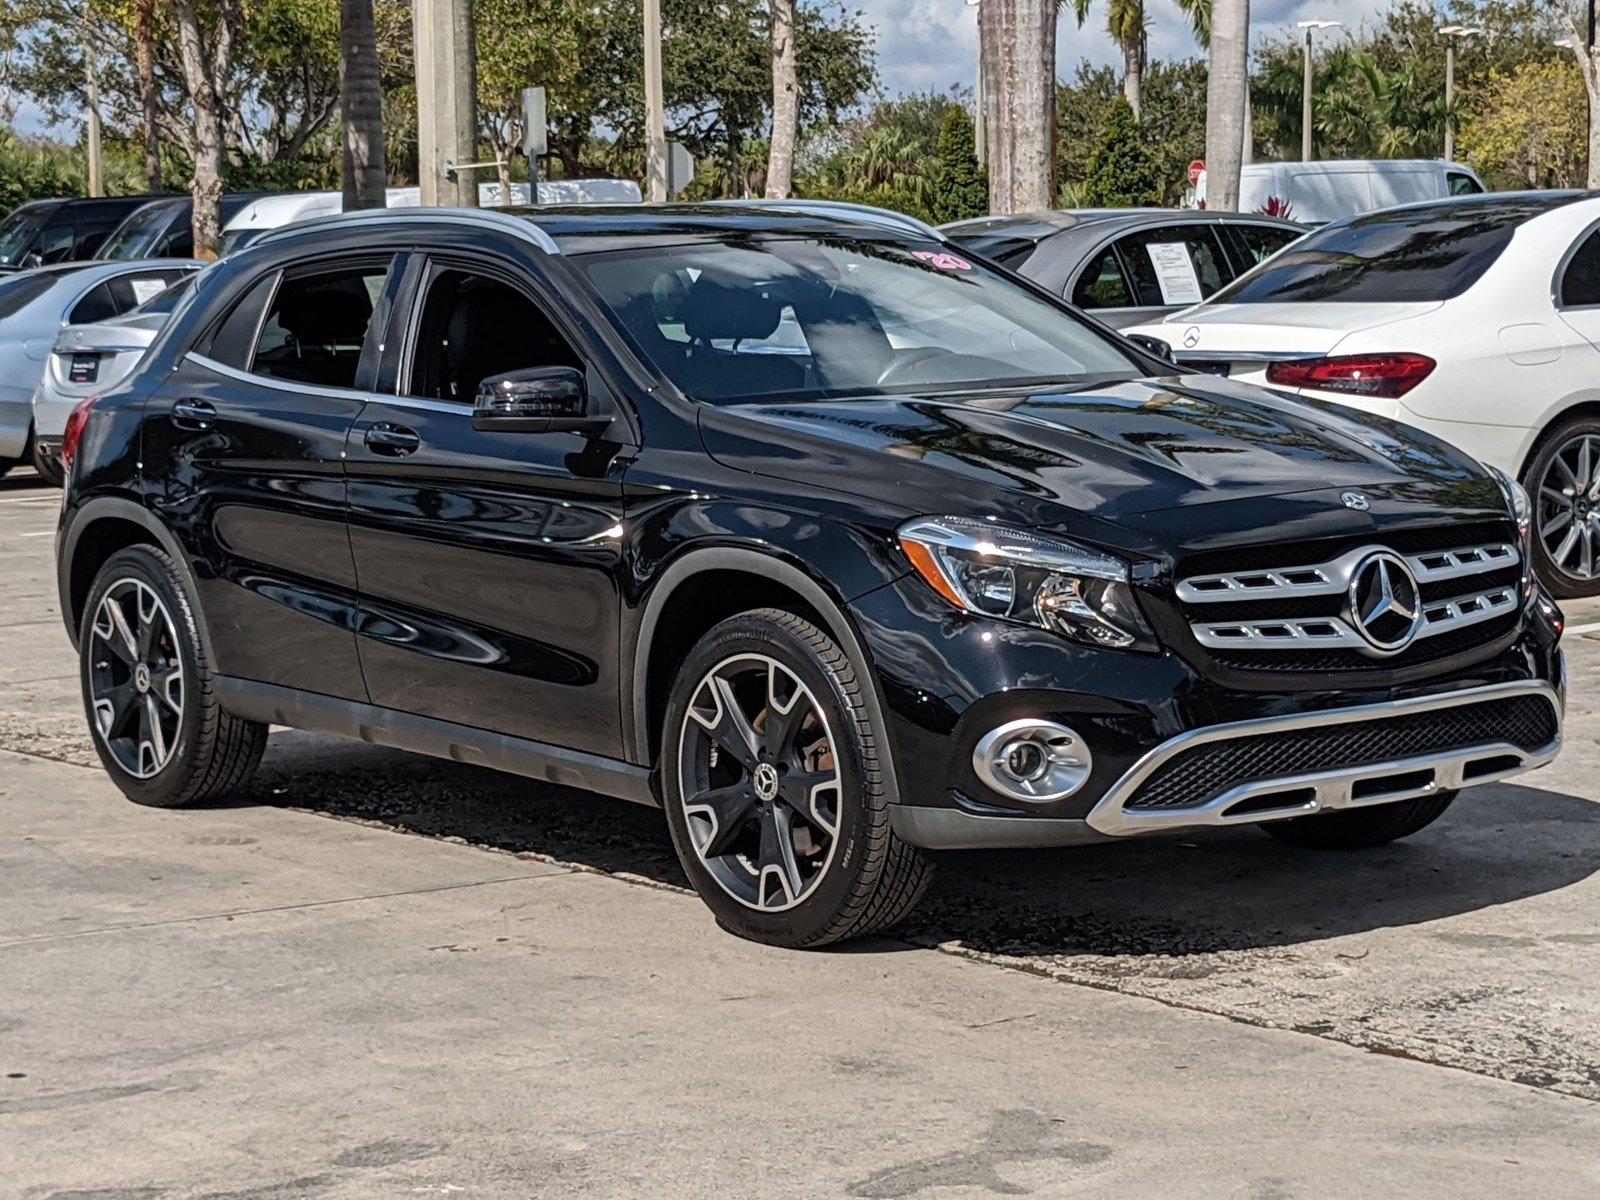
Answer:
(1529, 130)
(960, 187)
(1123, 173)
(1173, 125)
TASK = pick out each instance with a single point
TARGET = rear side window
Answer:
(316, 325)
(1103, 284)
(1414, 254)
(1580, 283)
(1263, 241)
(231, 341)
(122, 294)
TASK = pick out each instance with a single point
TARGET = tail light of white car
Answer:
(77, 421)
(1386, 375)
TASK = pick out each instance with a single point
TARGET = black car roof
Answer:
(635, 221)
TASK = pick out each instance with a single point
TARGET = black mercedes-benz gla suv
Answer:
(837, 543)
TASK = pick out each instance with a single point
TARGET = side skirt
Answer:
(274, 705)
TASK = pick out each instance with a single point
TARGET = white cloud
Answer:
(933, 44)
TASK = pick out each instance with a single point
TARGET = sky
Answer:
(933, 44)
(925, 44)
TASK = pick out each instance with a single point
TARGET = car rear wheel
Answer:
(1563, 481)
(147, 689)
(775, 788)
(1360, 828)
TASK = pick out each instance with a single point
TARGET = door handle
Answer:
(193, 414)
(390, 439)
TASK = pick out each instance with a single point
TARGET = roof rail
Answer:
(519, 226)
(864, 214)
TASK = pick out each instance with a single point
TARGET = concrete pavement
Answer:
(253, 1001)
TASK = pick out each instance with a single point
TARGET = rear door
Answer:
(249, 435)
(490, 561)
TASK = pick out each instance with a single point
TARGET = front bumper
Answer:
(1174, 750)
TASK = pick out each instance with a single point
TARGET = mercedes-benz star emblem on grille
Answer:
(1191, 336)
(1355, 500)
(1385, 604)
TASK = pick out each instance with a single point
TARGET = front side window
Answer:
(820, 317)
(1462, 185)
(316, 325)
(1175, 265)
(471, 327)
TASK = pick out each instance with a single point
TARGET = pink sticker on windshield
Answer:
(943, 259)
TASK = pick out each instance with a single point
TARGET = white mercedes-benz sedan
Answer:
(1476, 319)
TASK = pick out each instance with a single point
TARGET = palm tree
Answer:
(1126, 22)
(1018, 39)
(1227, 84)
(785, 102)
(361, 107)
(144, 43)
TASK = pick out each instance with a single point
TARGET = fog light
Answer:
(1032, 760)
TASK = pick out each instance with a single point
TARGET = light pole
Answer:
(1306, 152)
(1452, 34)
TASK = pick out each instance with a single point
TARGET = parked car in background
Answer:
(1476, 319)
(956, 568)
(164, 228)
(87, 359)
(565, 191)
(1315, 193)
(35, 304)
(42, 232)
(1126, 265)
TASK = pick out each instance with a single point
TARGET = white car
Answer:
(1315, 193)
(1476, 319)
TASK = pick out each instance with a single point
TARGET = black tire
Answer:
(208, 753)
(866, 879)
(49, 468)
(1361, 828)
(1558, 581)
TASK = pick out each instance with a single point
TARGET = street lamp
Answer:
(1452, 34)
(1305, 90)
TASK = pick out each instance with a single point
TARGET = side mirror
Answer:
(1152, 345)
(537, 400)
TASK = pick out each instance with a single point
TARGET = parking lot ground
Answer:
(256, 1001)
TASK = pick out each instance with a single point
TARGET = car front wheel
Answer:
(147, 689)
(775, 790)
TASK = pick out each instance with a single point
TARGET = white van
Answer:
(272, 212)
(1315, 193)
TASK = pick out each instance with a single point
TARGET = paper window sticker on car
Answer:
(1175, 272)
(146, 289)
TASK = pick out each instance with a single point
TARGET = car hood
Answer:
(1273, 329)
(1113, 454)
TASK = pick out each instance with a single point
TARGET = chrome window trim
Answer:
(279, 385)
(1333, 789)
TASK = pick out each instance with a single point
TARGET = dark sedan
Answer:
(1127, 265)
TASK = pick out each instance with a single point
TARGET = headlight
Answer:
(1030, 577)
(1522, 511)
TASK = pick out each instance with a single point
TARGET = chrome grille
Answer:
(1304, 608)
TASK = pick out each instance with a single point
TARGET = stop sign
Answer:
(1197, 166)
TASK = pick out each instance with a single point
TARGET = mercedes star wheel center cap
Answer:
(1385, 604)
(141, 678)
(765, 779)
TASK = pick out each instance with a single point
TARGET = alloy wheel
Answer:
(760, 783)
(1569, 508)
(136, 684)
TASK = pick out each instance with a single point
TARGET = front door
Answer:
(489, 561)
(249, 435)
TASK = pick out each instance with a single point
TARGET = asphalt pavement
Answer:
(289, 997)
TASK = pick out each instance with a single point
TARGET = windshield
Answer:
(137, 234)
(1427, 253)
(16, 234)
(824, 317)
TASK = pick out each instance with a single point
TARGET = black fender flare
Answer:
(102, 508)
(768, 566)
